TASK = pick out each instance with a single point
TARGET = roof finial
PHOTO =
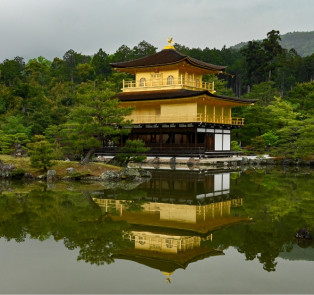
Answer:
(170, 42)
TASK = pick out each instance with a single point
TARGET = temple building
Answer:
(175, 111)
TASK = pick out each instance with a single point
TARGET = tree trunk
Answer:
(269, 75)
(88, 156)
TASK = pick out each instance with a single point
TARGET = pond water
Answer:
(181, 232)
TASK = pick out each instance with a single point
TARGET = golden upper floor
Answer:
(167, 69)
(167, 79)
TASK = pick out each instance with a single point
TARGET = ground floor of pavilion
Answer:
(192, 139)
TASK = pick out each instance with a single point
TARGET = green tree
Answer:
(15, 124)
(132, 151)
(255, 62)
(143, 49)
(71, 60)
(220, 85)
(235, 146)
(12, 70)
(260, 120)
(58, 70)
(270, 138)
(305, 141)
(41, 153)
(38, 69)
(96, 121)
(295, 140)
(272, 50)
(302, 97)
(6, 143)
(84, 73)
(100, 63)
(124, 53)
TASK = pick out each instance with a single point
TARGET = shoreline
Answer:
(112, 173)
(235, 161)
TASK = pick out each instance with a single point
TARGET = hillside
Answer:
(302, 42)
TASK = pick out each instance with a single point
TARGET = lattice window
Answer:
(170, 80)
(142, 82)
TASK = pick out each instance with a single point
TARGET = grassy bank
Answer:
(92, 169)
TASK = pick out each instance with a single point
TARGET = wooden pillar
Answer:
(160, 138)
(230, 118)
(214, 114)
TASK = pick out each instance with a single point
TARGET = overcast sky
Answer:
(30, 28)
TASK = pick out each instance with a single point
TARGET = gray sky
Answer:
(30, 28)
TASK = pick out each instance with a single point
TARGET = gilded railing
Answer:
(164, 83)
(152, 119)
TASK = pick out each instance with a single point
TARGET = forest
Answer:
(64, 107)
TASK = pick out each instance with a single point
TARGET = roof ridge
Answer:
(163, 58)
(146, 56)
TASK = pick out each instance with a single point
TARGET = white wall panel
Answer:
(218, 142)
(226, 142)
(217, 182)
(226, 181)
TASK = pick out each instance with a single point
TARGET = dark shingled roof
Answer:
(166, 57)
(167, 262)
(176, 93)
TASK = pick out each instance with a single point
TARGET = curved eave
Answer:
(204, 65)
(167, 262)
(234, 99)
(177, 94)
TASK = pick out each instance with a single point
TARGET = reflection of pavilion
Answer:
(178, 213)
(197, 218)
(187, 201)
(166, 251)
(185, 186)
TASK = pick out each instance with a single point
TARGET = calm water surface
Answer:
(181, 232)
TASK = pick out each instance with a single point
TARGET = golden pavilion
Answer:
(176, 112)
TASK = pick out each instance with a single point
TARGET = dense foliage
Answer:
(69, 100)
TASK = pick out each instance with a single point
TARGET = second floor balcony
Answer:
(182, 118)
(164, 84)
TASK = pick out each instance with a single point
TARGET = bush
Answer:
(235, 146)
(132, 151)
(18, 173)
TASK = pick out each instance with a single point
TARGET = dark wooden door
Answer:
(209, 142)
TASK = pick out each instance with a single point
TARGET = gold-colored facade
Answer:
(199, 109)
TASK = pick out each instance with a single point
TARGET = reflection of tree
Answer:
(279, 204)
(99, 241)
(66, 216)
